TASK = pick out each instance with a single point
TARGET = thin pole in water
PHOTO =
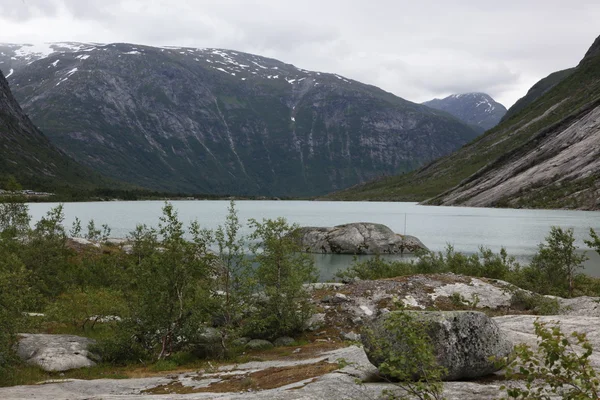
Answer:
(404, 224)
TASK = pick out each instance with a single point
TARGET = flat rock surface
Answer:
(55, 352)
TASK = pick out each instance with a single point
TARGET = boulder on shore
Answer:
(56, 352)
(357, 238)
(465, 343)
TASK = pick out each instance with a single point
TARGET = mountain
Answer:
(221, 121)
(546, 156)
(29, 156)
(537, 91)
(476, 109)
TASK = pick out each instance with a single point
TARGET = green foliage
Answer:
(233, 277)
(594, 243)
(14, 215)
(555, 369)
(555, 265)
(281, 272)
(535, 303)
(79, 308)
(377, 268)
(171, 293)
(414, 368)
(122, 347)
(485, 264)
(15, 296)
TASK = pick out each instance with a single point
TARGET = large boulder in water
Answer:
(465, 343)
(357, 238)
(56, 352)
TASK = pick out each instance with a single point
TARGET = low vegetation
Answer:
(161, 302)
(186, 294)
(554, 270)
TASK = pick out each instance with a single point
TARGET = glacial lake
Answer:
(519, 231)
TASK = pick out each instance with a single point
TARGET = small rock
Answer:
(259, 344)
(357, 320)
(209, 335)
(316, 321)
(326, 299)
(351, 336)
(284, 341)
(339, 298)
(366, 310)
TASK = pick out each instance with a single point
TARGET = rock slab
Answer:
(56, 352)
(357, 238)
(464, 342)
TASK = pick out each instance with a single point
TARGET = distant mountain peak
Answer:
(475, 108)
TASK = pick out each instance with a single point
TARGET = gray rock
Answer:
(463, 341)
(128, 249)
(209, 335)
(316, 321)
(284, 341)
(56, 352)
(357, 238)
(259, 344)
(241, 341)
(351, 336)
(339, 298)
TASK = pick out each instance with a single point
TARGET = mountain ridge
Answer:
(214, 120)
(27, 154)
(544, 156)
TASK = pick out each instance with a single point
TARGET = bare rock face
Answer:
(464, 342)
(56, 352)
(357, 238)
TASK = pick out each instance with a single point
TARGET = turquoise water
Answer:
(519, 231)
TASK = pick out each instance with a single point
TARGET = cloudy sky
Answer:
(416, 49)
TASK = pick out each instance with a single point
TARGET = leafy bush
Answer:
(377, 268)
(538, 304)
(485, 263)
(594, 243)
(122, 347)
(555, 369)
(281, 272)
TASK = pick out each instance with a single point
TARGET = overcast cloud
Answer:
(416, 49)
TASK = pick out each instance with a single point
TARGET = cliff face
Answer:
(220, 121)
(26, 153)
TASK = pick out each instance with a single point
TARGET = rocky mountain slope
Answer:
(547, 156)
(28, 155)
(476, 109)
(537, 91)
(220, 121)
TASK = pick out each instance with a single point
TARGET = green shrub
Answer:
(538, 304)
(122, 347)
(377, 268)
(555, 369)
(283, 304)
